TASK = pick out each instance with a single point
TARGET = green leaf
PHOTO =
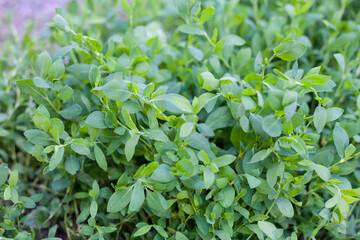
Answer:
(173, 103)
(186, 167)
(137, 197)
(318, 79)
(162, 174)
(323, 172)
(119, 200)
(320, 116)
(290, 50)
(210, 83)
(143, 230)
(40, 82)
(180, 236)
(285, 207)
(149, 169)
(96, 119)
(57, 69)
(61, 23)
(223, 160)
(56, 157)
(270, 230)
(333, 113)
(202, 224)
(340, 60)
(253, 181)
(341, 140)
(4, 173)
(209, 177)
(206, 14)
(161, 231)
(130, 147)
(100, 157)
(42, 64)
(38, 137)
(186, 129)
(272, 126)
(233, 40)
(116, 90)
(127, 118)
(27, 86)
(71, 112)
(191, 29)
(261, 155)
(41, 121)
(65, 94)
(14, 177)
(79, 148)
(229, 196)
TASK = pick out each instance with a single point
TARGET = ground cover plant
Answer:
(188, 120)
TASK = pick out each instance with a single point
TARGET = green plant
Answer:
(185, 120)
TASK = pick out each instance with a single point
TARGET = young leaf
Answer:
(209, 81)
(100, 157)
(137, 197)
(130, 147)
(341, 140)
(272, 126)
(320, 116)
(270, 230)
(56, 157)
(191, 29)
(290, 50)
(285, 207)
(119, 200)
(96, 119)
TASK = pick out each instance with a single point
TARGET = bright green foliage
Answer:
(192, 119)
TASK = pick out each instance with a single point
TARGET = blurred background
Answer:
(24, 12)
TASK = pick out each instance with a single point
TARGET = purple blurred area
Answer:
(23, 12)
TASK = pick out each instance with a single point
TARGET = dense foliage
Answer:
(184, 120)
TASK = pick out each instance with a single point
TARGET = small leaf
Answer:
(100, 157)
(96, 119)
(186, 129)
(80, 148)
(130, 147)
(42, 64)
(261, 155)
(119, 200)
(174, 103)
(270, 230)
(14, 177)
(223, 160)
(333, 113)
(191, 29)
(206, 14)
(285, 207)
(61, 23)
(290, 50)
(272, 126)
(320, 116)
(210, 83)
(209, 177)
(323, 172)
(162, 174)
(40, 82)
(253, 181)
(56, 157)
(341, 140)
(116, 90)
(143, 230)
(137, 197)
